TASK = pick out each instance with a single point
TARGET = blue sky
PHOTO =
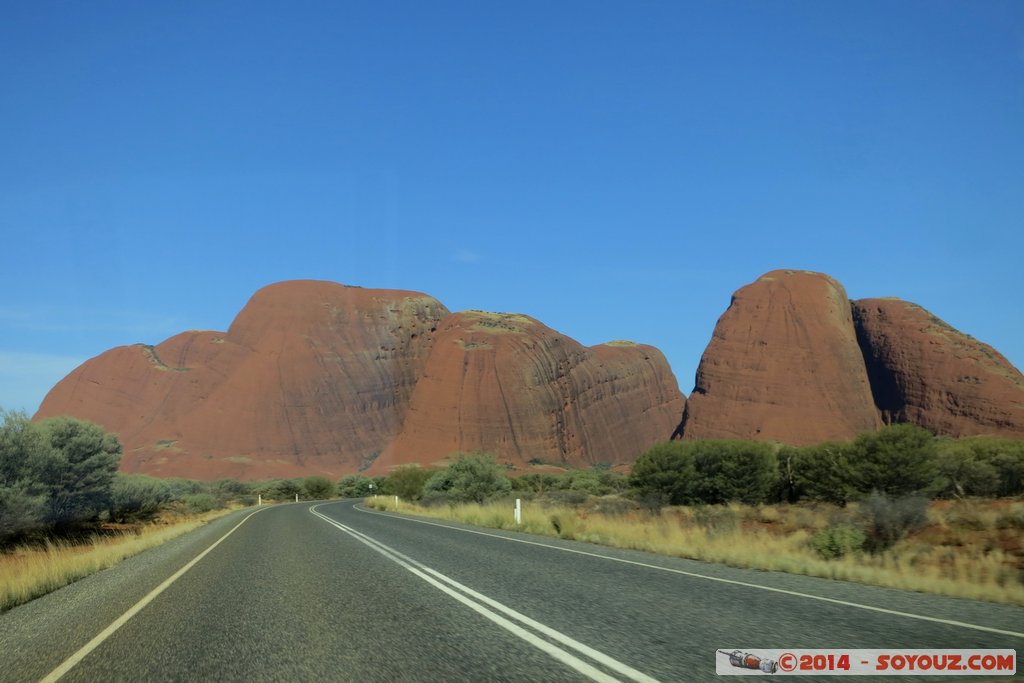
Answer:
(615, 170)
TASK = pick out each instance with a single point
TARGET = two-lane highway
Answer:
(331, 591)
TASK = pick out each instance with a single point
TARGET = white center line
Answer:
(481, 604)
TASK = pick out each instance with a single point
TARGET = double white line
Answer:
(494, 610)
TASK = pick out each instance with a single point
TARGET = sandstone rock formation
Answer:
(507, 384)
(319, 378)
(311, 378)
(783, 364)
(925, 372)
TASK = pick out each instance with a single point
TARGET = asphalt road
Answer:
(310, 592)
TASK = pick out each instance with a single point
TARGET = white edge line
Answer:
(82, 653)
(883, 610)
(554, 651)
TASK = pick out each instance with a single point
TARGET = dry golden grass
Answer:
(29, 571)
(968, 550)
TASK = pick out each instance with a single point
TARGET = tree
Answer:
(727, 471)
(80, 477)
(962, 473)
(354, 486)
(58, 472)
(898, 460)
(821, 472)
(407, 482)
(664, 474)
(474, 477)
(317, 487)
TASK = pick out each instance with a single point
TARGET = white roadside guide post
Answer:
(296, 498)
(519, 511)
(259, 499)
(396, 503)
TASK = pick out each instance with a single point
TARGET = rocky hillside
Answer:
(311, 377)
(783, 364)
(507, 383)
(320, 378)
(925, 372)
(793, 360)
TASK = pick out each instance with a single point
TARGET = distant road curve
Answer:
(331, 591)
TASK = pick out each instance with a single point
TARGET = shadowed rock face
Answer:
(311, 378)
(925, 372)
(507, 384)
(319, 378)
(783, 364)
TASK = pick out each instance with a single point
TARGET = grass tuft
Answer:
(29, 571)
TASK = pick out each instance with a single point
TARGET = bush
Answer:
(888, 520)
(21, 511)
(664, 474)
(727, 471)
(705, 472)
(898, 460)
(355, 486)
(180, 487)
(586, 481)
(199, 503)
(54, 473)
(473, 478)
(406, 482)
(1005, 456)
(822, 473)
(837, 541)
(962, 473)
(227, 489)
(136, 496)
(82, 475)
(537, 482)
(277, 489)
(317, 488)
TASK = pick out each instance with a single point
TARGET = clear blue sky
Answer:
(615, 170)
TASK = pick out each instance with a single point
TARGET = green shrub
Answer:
(317, 488)
(354, 486)
(277, 489)
(727, 471)
(406, 482)
(136, 496)
(180, 487)
(54, 473)
(898, 460)
(537, 482)
(888, 520)
(705, 472)
(199, 503)
(962, 473)
(473, 478)
(837, 541)
(664, 473)
(823, 473)
(21, 512)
